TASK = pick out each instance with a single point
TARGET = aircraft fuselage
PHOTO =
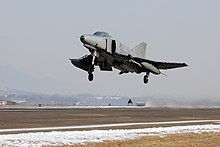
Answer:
(107, 52)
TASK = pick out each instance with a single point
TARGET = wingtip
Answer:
(186, 64)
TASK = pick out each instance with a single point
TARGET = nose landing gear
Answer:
(90, 74)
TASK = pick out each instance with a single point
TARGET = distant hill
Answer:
(31, 98)
(18, 92)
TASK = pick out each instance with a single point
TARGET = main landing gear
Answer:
(90, 76)
(92, 67)
(146, 78)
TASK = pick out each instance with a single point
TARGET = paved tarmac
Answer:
(28, 117)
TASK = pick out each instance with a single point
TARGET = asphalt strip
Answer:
(108, 125)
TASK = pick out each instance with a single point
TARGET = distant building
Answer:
(140, 104)
(3, 102)
(7, 102)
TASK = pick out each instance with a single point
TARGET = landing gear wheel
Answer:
(145, 79)
(90, 76)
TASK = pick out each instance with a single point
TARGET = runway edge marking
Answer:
(107, 125)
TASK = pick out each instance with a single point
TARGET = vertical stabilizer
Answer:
(140, 50)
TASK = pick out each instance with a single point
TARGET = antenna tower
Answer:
(5, 92)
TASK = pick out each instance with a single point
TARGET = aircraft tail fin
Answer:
(140, 50)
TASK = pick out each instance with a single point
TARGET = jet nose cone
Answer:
(82, 38)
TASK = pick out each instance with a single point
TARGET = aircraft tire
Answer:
(145, 79)
(90, 77)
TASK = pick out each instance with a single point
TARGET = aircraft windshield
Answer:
(102, 34)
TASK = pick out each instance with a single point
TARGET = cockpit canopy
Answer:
(102, 34)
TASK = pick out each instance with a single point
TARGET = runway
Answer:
(136, 117)
(109, 125)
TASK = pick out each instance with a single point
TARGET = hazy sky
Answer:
(38, 37)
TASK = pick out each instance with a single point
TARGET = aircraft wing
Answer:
(163, 65)
(167, 65)
(86, 58)
(82, 62)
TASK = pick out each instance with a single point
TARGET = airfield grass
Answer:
(178, 140)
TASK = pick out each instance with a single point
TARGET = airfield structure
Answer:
(4, 102)
(130, 102)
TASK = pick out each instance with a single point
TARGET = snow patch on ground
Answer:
(59, 138)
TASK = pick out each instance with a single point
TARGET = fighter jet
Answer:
(107, 52)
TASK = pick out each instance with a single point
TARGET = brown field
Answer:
(179, 140)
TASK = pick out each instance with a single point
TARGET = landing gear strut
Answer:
(92, 66)
(146, 78)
